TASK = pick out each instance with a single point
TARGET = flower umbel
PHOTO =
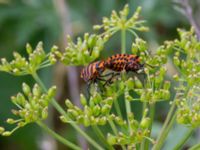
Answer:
(187, 59)
(120, 21)
(84, 51)
(32, 107)
(37, 59)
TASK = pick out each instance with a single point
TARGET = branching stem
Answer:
(58, 137)
(61, 111)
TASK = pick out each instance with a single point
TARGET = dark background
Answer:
(31, 21)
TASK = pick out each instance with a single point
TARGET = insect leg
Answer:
(110, 79)
(88, 88)
(111, 73)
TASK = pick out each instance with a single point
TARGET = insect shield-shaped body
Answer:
(127, 62)
(93, 71)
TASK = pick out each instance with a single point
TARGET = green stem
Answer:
(128, 111)
(117, 108)
(163, 136)
(123, 51)
(58, 137)
(144, 107)
(113, 127)
(184, 139)
(169, 116)
(123, 41)
(145, 142)
(195, 147)
(152, 113)
(101, 137)
(61, 111)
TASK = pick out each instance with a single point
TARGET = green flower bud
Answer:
(86, 37)
(28, 48)
(52, 59)
(145, 123)
(106, 38)
(83, 100)
(102, 121)
(45, 113)
(6, 133)
(80, 119)
(51, 92)
(54, 49)
(97, 98)
(112, 140)
(109, 101)
(92, 40)
(87, 111)
(121, 86)
(36, 90)
(4, 61)
(138, 84)
(73, 113)
(86, 121)
(17, 56)
(143, 29)
(26, 89)
(96, 110)
(1, 130)
(111, 117)
(91, 103)
(16, 71)
(134, 49)
(69, 104)
(64, 119)
(20, 99)
(125, 11)
(130, 83)
(105, 109)
(119, 121)
(10, 121)
(165, 94)
(97, 27)
(158, 81)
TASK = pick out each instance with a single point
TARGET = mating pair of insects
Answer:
(116, 63)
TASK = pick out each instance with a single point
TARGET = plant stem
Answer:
(117, 108)
(164, 134)
(123, 41)
(123, 51)
(113, 127)
(145, 142)
(184, 139)
(61, 111)
(172, 108)
(152, 113)
(101, 137)
(144, 106)
(57, 136)
(195, 147)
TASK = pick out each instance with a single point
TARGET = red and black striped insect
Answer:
(93, 71)
(116, 63)
(126, 62)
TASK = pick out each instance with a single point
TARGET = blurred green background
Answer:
(31, 21)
